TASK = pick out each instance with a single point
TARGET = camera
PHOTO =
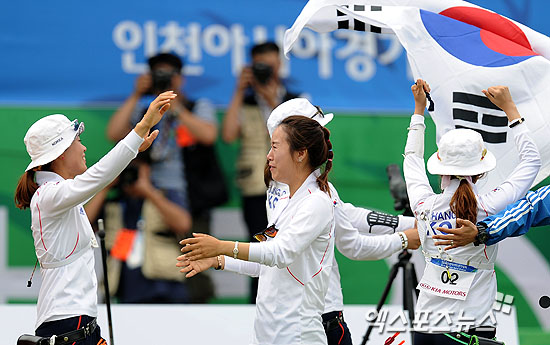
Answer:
(398, 190)
(162, 80)
(262, 72)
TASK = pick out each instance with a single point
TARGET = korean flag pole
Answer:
(101, 234)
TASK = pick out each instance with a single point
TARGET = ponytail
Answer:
(322, 180)
(267, 174)
(25, 190)
(464, 203)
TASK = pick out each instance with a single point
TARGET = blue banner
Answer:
(89, 53)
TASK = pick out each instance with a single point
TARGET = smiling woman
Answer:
(55, 186)
(294, 259)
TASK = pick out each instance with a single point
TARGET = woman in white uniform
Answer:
(354, 227)
(295, 260)
(460, 282)
(55, 186)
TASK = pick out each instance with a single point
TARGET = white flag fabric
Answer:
(457, 9)
(458, 59)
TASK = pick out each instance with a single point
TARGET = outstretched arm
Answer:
(70, 193)
(349, 240)
(515, 220)
(517, 184)
(414, 170)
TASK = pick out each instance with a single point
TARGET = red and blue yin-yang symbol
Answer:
(478, 37)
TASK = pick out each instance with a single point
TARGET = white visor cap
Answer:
(49, 137)
(296, 106)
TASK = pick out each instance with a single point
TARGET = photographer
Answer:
(135, 213)
(188, 122)
(259, 90)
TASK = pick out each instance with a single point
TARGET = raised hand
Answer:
(419, 90)
(154, 113)
(501, 97)
(157, 108)
(149, 140)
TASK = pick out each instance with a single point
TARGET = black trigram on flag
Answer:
(471, 108)
(344, 21)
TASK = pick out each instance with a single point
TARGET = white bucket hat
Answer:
(461, 152)
(49, 137)
(296, 106)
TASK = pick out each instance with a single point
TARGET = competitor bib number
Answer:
(447, 279)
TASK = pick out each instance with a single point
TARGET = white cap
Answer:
(49, 137)
(461, 152)
(296, 106)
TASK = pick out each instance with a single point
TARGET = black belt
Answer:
(332, 320)
(62, 339)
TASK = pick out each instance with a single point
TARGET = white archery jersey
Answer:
(294, 269)
(63, 236)
(459, 281)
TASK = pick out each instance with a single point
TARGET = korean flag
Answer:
(460, 51)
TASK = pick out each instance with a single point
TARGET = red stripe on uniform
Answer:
(77, 238)
(343, 331)
(77, 327)
(298, 280)
(325, 253)
(317, 272)
(40, 221)
(483, 207)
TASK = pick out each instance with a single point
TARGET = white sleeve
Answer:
(405, 222)
(521, 179)
(357, 216)
(314, 215)
(72, 192)
(243, 267)
(357, 246)
(414, 170)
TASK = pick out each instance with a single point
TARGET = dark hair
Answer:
(26, 187)
(304, 133)
(463, 202)
(266, 47)
(167, 58)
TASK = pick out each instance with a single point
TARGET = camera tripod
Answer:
(409, 288)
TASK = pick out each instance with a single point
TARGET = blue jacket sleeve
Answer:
(519, 217)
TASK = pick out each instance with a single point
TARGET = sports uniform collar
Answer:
(309, 185)
(42, 177)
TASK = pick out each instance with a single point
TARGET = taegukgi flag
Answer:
(459, 49)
